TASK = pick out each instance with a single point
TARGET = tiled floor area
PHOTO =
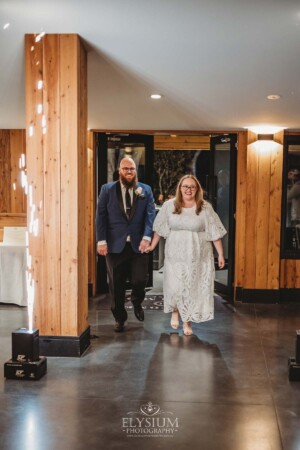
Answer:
(225, 388)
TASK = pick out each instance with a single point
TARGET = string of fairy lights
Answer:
(33, 222)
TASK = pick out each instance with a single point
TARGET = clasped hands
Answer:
(145, 246)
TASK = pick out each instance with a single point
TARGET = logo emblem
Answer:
(20, 373)
(150, 421)
(149, 409)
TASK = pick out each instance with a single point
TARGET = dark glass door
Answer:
(111, 148)
(221, 193)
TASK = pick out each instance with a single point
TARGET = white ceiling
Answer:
(214, 61)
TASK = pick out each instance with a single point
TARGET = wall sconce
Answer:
(265, 132)
(265, 137)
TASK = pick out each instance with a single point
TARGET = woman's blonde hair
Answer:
(178, 203)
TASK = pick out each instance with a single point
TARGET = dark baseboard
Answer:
(64, 345)
(238, 293)
(260, 296)
(290, 295)
(267, 295)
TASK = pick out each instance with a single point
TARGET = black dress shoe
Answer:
(139, 312)
(119, 327)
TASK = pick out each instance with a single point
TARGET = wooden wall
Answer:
(57, 174)
(258, 213)
(12, 201)
(12, 145)
(177, 142)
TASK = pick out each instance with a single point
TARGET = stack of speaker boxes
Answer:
(25, 364)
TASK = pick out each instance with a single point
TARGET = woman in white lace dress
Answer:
(190, 226)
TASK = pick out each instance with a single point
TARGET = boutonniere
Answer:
(139, 192)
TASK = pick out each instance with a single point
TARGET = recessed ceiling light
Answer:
(6, 26)
(273, 97)
(155, 96)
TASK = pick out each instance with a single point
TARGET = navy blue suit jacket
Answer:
(112, 223)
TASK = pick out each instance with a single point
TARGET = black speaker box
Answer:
(294, 370)
(298, 346)
(25, 345)
(32, 370)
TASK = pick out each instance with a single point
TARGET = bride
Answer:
(190, 226)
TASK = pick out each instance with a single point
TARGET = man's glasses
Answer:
(186, 187)
(128, 169)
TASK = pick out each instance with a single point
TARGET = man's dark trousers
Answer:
(121, 266)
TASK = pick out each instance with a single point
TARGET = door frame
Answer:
(227, 290)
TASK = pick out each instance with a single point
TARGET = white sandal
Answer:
(187, 329)
(175, 322)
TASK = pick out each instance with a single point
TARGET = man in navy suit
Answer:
(124, 219)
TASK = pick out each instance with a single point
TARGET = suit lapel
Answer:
(120, 198)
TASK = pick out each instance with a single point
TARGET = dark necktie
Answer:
(128, 202)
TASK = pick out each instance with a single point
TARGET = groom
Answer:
(124, 219)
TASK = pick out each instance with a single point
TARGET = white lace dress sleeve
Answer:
(161, 224)
(213, 226)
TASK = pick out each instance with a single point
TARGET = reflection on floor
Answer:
(225, 388)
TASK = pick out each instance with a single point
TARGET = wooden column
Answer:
(258, 217)
(56, 124)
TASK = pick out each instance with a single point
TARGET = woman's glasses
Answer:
(187, 188)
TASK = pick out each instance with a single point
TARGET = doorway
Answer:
(214, 164)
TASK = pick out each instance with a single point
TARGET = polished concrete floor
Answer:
(225, 388)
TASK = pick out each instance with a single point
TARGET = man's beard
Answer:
(128, 184)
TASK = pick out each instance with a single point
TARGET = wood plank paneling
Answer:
(251, 205)
(51, 148)
(262, 220)
(17, 148)
(69, 183)
(13, 220)
(275, 215)
(12, 145)
(241, 196)
(290, 273)
(73, 177)
(181, 142)
(35, 169)
(82, 268)
(5, 176)
(297, 274)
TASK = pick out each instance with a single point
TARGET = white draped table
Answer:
(13, 274)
